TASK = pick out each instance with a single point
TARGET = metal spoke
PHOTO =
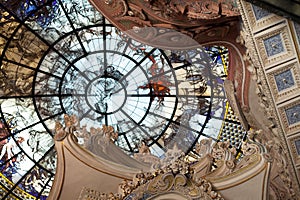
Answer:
(128, 143)
(32, 68)
(140, 62)
(72, 25)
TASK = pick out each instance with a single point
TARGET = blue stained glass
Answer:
(29, 9)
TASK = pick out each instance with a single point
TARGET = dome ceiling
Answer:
(63, 57)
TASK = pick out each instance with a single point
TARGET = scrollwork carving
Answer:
(201, 20)
(178, 177)
(192, 10)
(119, 7)
(168, 181)
(121, 10)
(280, 179)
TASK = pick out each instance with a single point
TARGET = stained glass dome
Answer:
(62, 57)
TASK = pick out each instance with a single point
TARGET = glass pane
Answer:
(61, 57)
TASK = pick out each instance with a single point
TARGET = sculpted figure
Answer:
(109, 133)
(204, 147)
(144, 149)
(144, 155)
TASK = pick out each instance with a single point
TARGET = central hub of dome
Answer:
(106, 95)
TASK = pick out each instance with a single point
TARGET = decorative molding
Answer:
(264, 20)
(277, 134)
(255, 68)
(92, 194)
(204, 21)
(297, 31)
(281, 184)
(89, 167)
(170, 183)
(296, 35)
(175, 176)
(163, 38)
(290, 84)
(259, 12)
(226, 169)
(288, 8)
(182, 12)
(290, 113)
(275, 37)
(295, 148)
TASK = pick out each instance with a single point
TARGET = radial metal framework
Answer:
(62, 57)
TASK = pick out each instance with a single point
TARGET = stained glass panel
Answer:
(61, 57)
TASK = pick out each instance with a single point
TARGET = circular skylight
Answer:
(63, 57)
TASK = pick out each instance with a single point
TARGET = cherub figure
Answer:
(144, 149)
